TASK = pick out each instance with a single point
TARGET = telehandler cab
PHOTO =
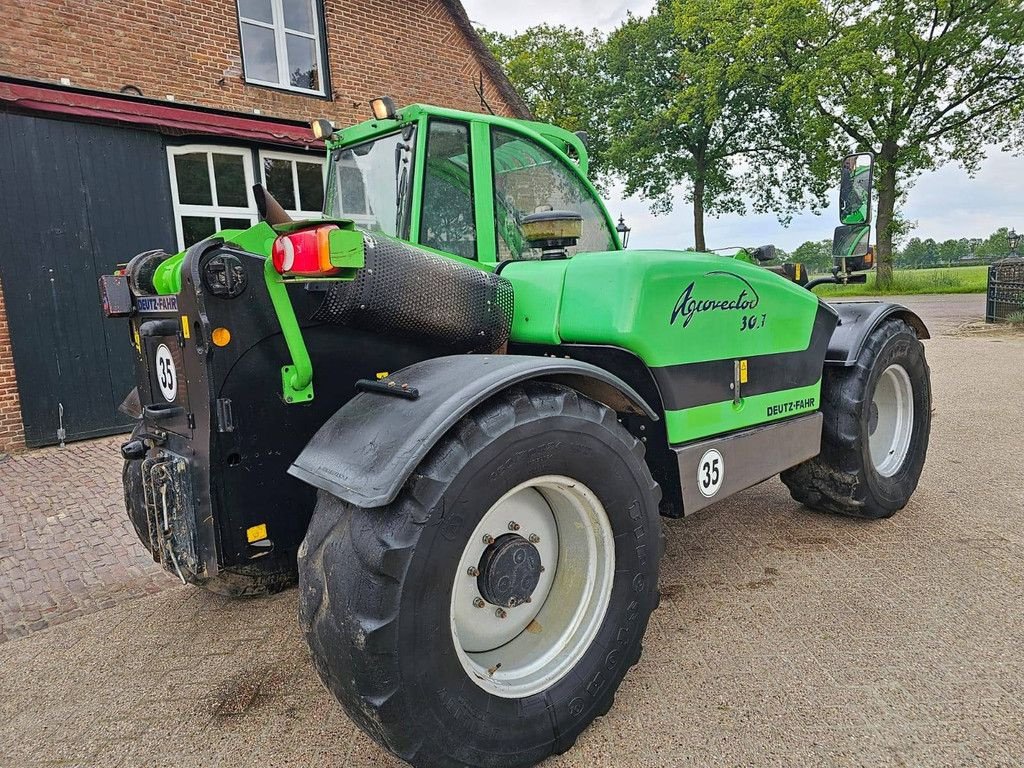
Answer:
(454, 410)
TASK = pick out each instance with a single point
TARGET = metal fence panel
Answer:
(1005, 289)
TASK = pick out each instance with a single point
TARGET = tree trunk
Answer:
(698, 213)
(886, 187)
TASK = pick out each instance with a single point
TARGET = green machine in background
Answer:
(455, 410)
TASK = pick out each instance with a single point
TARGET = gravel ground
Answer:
(785, 637)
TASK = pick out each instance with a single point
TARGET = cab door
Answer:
(448, 218)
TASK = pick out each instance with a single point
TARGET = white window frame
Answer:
(281, 45)
(294, 157)
(215, 211)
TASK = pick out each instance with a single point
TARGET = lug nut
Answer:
(534, 538)
(473, 571)
(542, 569)
(488, 539)
(513, 526)
(528, 600)
(512, 602)
(500, 613)
(479, 602)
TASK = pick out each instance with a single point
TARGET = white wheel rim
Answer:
(891, 420)
(538, 642)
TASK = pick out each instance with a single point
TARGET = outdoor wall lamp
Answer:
(623, 231)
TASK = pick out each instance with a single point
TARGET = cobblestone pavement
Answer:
(66, 546)
(784, 638)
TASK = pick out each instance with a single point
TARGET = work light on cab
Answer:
(306, 253)
(384, 108)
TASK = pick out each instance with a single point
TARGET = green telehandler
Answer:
(455, 410)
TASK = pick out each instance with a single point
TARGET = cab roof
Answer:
(566, 142)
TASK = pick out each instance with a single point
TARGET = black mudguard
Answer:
(367, 450)
(856, 321)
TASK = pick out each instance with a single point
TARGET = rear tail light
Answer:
(306, 253)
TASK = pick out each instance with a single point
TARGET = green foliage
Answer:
(730, 103)
(690, 109)
(972, 279)
(815, 255)
(918, 82)
(556, 71)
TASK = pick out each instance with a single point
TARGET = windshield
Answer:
(371, 182)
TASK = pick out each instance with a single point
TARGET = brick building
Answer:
(126, 126)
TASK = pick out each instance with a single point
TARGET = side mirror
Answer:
(855, 189)
(851, 248)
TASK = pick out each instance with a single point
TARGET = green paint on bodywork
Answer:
(297, 378)
(719, 418)
(538, 299)
(258, 239)
(673, 307)
(669, 308)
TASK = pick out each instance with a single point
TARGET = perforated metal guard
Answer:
(408, 292)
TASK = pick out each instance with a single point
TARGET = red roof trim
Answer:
(176, 119)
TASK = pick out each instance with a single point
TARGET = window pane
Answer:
(353, 192)
(196, 228)
(298, 15)
(229, 173)
(193, 177)
(527, 178)
(278, 175)
(226, 223)
(303, 71)
(256, 9)
(448, 223)
(311, 186)
(259, 54)
(371, 183)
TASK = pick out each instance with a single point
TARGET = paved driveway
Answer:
(785, 637)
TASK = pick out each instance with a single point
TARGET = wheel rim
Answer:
(891, 420)
(538, 640)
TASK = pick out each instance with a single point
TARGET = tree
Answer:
(917, 82)
(815, 255)
(555, 70)
(688, 105)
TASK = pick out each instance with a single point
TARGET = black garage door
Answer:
(75, 199)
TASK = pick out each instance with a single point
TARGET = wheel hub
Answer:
(510, 570)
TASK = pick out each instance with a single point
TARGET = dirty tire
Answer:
(376, 585)
(266, 576)
(843, 479)
(254, 579)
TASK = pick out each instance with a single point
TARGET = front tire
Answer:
(877, 419)
(453, 645)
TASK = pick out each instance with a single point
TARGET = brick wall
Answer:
(11, 433)
(415, 51)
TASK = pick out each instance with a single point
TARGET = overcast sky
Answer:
(945, 204)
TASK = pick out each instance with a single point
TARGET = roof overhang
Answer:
(173, 119)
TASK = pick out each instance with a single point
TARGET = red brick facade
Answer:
(419, 50)
(11, 433)
(416, 51)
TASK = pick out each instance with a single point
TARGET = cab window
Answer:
(529, 178)
(447, 221)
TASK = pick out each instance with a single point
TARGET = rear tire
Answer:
(877, 419)
(397, 623)
(266, 576)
